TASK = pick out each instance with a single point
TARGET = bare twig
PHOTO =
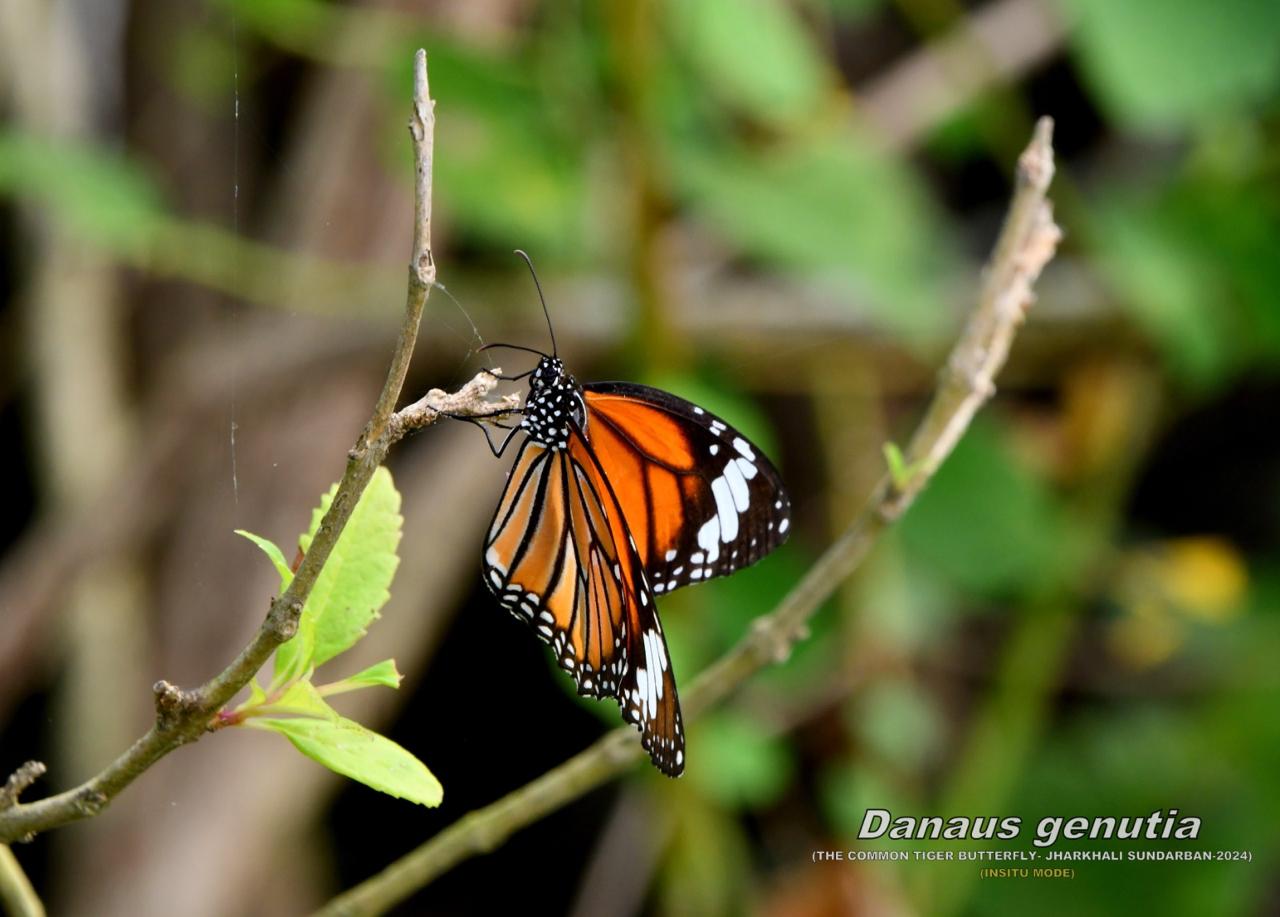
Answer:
(19, 780)
(17, 897)
(183, 716)
(1026, 244)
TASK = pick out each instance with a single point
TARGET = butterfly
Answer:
(620, 493)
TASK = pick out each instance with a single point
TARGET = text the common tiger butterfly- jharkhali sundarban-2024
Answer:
(620, 493)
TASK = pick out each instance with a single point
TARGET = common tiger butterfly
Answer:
(619, 493)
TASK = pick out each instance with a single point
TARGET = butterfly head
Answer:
(548, 374)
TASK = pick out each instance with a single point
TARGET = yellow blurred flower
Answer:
(1162, 588)
(1204, 577)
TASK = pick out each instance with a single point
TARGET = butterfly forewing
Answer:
(559, 557)
(700, 500)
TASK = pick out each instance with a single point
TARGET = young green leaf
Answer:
(293, 658)
(348, 748)
(382, 673)
(274, 553)
(303, 699)
(354, 583)
(256, 694)
(897, 462)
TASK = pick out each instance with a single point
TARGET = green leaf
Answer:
(897, 462)
(753, 53)
(303, 699)
(1165, 63)
(355, 581)
(294, 657)
(382, 673)
(347, 748)
(272, 551)
(256, 694)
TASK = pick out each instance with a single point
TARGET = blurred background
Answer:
(778, 208)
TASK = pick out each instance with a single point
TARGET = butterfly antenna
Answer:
(541, 298)
(510, 347)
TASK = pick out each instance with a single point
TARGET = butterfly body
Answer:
(555, 405)
(621, 492)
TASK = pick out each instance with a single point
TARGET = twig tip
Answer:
(19, 780)
(1035, 165)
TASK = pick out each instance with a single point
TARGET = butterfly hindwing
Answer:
(559, 557)
(699, 498)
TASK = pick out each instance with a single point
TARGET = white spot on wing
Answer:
(744, 447)
(737, 486)
(747, 468)
(709, 538)
(644, 686)
(725, 510)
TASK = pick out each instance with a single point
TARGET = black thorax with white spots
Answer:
(554, 405)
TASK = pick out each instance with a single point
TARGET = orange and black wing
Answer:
(558, 556)
(700, 499)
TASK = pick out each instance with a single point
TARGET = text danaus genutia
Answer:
(621, 493)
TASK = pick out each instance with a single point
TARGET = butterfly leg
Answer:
(479, 419)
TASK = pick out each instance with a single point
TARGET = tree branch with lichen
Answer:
(1026, 244)
(183, 716)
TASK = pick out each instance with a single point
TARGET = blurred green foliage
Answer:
(1168, 64)
(986, 522)
(983, 621)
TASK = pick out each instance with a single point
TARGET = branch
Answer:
(183, 716)
(17, 897)
(1026, 244)
(19, 780)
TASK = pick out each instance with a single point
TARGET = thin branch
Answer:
(183, 716)
(422, 266)
(19, 780)
(1026, 244)
(17, 897)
